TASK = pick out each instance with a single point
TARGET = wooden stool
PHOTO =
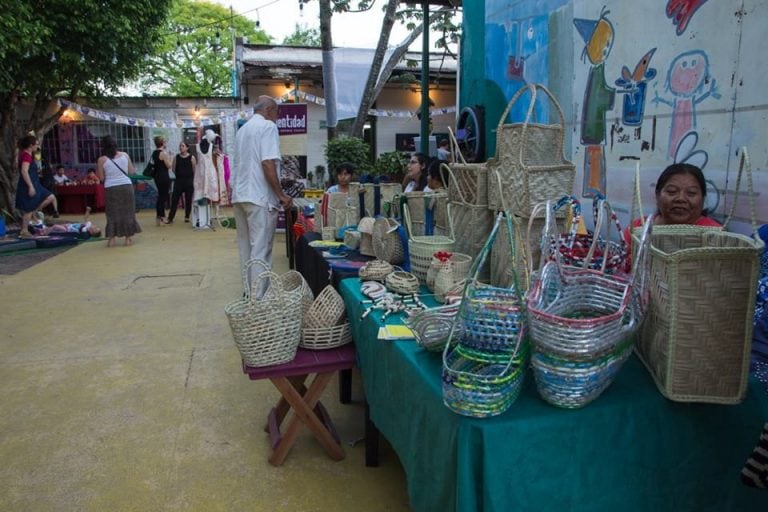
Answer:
(289, 379)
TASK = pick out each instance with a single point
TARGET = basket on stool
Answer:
(266, 330)
(327, 310)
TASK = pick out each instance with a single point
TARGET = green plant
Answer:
(348, 149)
(390, 164)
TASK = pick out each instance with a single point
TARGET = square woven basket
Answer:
(697, 335)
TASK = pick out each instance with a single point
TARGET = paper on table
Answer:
(395, 332)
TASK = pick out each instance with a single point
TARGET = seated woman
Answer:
(680, 194)
(437, 176)
(344, 173)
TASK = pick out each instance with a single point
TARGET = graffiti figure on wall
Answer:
(598, 36)
(633, 86)
(681, 12)
(686, 79)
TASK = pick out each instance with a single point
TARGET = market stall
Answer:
(632, 449)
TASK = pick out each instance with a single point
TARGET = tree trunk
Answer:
(11, 133)
(378, 76)
(329, 76)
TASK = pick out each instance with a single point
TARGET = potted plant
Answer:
(349, 149)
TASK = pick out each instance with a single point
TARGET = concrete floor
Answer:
(121, 389)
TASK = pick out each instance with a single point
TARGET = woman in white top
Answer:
(113, 169)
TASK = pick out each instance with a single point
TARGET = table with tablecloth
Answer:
(631, 449)
(74, 198)
(319, 271)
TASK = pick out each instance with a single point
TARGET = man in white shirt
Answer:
(256, 192)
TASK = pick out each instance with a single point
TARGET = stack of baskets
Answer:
(325, 325)
(583, 324)
(468, 197)
(485, 358)
(266, 322)
(422, 247)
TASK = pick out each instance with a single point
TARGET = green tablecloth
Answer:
(631, 449)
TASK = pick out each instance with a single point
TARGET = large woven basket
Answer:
(266, 330)
(295, 284)
(387, 244)
(697, 337)
(421, 248)
(530, 158)
(469, 182)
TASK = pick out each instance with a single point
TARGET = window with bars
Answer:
(88, 136)
(50, 147)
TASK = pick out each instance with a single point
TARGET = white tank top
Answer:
(112, 174)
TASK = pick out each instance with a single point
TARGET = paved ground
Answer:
(122, 390)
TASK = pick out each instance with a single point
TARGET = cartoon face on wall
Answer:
(600, 44)
(687, 73)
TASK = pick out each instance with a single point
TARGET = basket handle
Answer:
(453, 180)
(455, 146)
(246, 274)
(530, 113)
(745, 167)
(606, 216)
(525, 255)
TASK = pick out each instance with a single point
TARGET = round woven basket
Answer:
(323, 338)
(387, 245)
(402, 282)
(327, 310)
(375, 270)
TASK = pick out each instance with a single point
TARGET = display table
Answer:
(73, 199)
(319, 272)
(631, 449)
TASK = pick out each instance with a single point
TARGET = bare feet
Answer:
(111, 242)
(128, 241)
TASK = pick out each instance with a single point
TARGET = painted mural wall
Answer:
(651, 82)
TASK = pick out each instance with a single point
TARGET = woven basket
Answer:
(375, 270)
(471, 227)
(295, 284)
(377, 196)
(326, 310)
(365, 227)
(469, 182)
(583, 324)
(387, 245)
(266, 331)
(530, 159)
(432, 327)
(421, 248)
(352, 238)
(697, 337)
(491, 321)
(459, 265)
(401, 282)
(424, 205)
(485, 358)
(324, 338)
